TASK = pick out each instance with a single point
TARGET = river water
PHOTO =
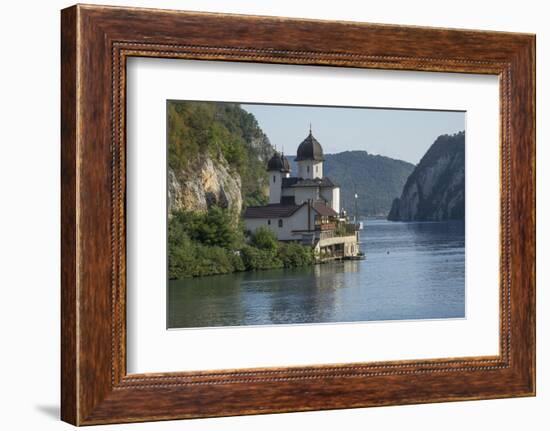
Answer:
(412, 271)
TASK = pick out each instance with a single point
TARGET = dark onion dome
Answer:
(278, 162)
(310, 149)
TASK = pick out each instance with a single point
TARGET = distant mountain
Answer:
(435, 190)
(375, 179)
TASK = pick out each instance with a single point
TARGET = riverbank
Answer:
(202, 244)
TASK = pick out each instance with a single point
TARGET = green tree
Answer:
(181, 252)
(192, 250)
(295, 255)
(256, 258)
(215, 228)
(264, 238)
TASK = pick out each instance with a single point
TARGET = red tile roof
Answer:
(324, 210)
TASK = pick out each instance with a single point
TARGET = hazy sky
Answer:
(400, 134)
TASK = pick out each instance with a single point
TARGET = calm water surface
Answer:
(412, 271)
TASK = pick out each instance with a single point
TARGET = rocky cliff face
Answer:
(216, 157)
(210, 183)
(436, 189)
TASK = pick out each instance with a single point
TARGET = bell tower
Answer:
(277, 168)
(310, 158)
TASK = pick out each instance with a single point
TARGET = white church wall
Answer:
(275, 179)
(255, 223)
(332, 196)
(288, 191)
(310, 169)
(297, 222)
(302, 194)
(336, 199)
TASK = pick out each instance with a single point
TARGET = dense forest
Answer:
(376, 180)
(207, 244)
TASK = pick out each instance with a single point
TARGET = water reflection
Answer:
(412, 271)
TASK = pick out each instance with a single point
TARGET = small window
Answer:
(269, 222)
(307, 168)
(280, 222)
(274, 179)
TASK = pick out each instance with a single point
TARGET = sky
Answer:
(399, 134)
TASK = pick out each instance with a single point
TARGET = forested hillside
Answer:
(377, 180)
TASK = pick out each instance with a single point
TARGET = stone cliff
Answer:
(210, 183)
(435, 190)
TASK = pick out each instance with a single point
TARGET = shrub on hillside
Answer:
(257, 258)
(264, 239)
(294, 255)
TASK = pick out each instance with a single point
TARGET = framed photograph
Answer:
(265, 214)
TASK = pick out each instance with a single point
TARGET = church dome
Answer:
(310, 149)
(278, 162)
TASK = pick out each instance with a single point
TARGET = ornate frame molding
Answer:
(96, 41)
